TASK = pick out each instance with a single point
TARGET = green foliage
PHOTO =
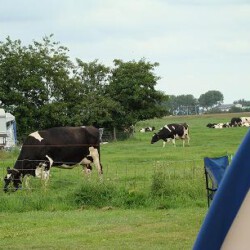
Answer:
(25, 201)
(100, 195)
(243, 102)
(133, 86)
(182, 104)
(210, 98)
(42, 88)
(93, 194)
(32, 79)
(160, 185)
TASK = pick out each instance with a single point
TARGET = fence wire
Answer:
(137, 176)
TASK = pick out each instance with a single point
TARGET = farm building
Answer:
(8, 137)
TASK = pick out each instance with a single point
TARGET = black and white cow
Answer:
(245, 121)
(211, 125)
(218, 125)
(236, 122)
(171, 132)
(60, 147)
(147, 129)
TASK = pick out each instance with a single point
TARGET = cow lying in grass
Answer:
(147, 129)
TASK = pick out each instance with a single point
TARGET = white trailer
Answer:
(8, 136)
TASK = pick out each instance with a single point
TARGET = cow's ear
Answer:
(8, 170)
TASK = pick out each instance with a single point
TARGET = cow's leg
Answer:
(96, 159)
(43, 170)
(85, 162)
(93, 157)
(173, 141)
(87, 168)
(164, 144)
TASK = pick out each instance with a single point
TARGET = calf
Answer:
(171, 132)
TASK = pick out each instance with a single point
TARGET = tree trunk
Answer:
(114, 134)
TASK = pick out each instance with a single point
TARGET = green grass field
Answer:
(150, 197)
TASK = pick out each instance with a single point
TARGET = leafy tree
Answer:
(32, 79)
(43, 88)
(182, 104)
(243, 102)
(132, 85)
(210, 99)
(171, 104)
(95, 105)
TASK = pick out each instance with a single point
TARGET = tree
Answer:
(43, 88)
(243, 102)
(95, 105)
(182, 104)
(32, 80)
(132, 85)
(210, 99)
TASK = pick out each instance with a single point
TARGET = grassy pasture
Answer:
(150, 198)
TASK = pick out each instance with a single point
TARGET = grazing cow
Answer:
(171, 132)
(60, 147)
(147, 129)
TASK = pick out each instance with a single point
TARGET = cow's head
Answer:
(155, 138)
(13, 176)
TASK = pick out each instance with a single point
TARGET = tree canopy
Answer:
(43, 88)
(132, 85)
(211, 98)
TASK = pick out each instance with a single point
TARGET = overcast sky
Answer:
(201, 45)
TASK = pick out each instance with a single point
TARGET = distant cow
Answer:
(211, 125)
(218, 125)
(246, 124)
(60, 146)
(171, 132)
(236, 122)
(147, 129)
(245, 121)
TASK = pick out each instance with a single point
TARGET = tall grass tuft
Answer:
(90, 194)
(176, 191)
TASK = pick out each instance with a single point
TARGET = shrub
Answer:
(160, 187)
(93, 194)
(101, 195)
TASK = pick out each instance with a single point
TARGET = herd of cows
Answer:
(235, 122)
(66, 147)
